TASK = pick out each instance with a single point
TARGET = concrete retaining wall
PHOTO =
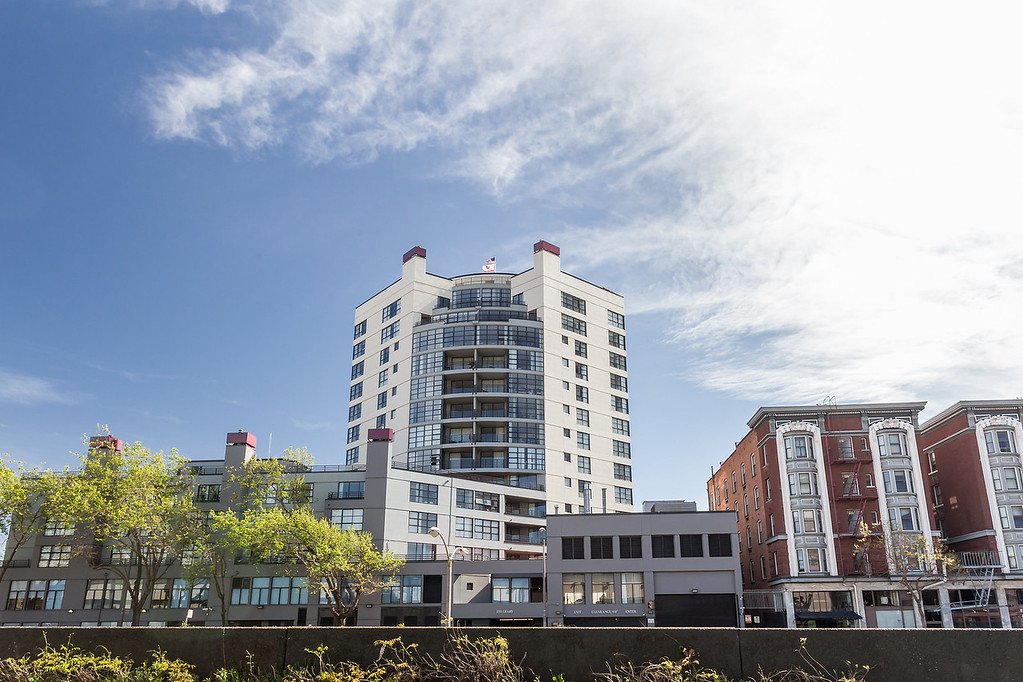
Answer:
(892, 655)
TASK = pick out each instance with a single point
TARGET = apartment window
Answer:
(630, 547)
(742, 473)
(602, 547)
(616, 319)
(745, 505)
(481, 529)
(207, 493)
(573, 588)
(719, 544)
(892, 444)
(403, 589)
(54, 556)
(35, 595)
(382, 378)
(622, 472)
(582, 417)
(760, 532)
(582, 394)
(353, 433)
(580, 348)
(389, 332)
(358, 350)
(619, 426)
(581, 371)
(352, 455)
(423, 493)
(59, 527)
(356, 391)
(603, 585)
(753, 465)
(1000, 441)
(509, 590)
(763, 568)
(619, 383)
(617, 361)
(850, 484)
(767, 488)
(382, 400)
(564, 362)
(619, 404)
(623, 495)
(360, 329)
(358, 369)
(852, 518)
(583, 464)
(565, 385)
(811, 560)
(662, 546)
(573, 324)
(797, 447)
(936, 495)
(845, 447)
(474, 499)
(568, 482)
(568, 456)
(803, 483)
(346, 519)
(868, 479)
(691, 545)
(188, 594)
(906, 518)
(932, 462)
(897, 481)
(735, 487)
(806, 521)
(573, 303)
(770, 521)
(572, 548)
(355, 412)
(385, 355)
(1012, 478)
(632, 588)
(351, 490)
(582, 440)
(621, 449)
(421, 522)
(390, 311)
(105, 594)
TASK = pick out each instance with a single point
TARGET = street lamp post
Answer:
(435, 532)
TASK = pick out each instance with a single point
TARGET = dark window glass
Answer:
(662, 546)
(572, 548)
(630, 547)
(719, 544)
(601, 548)
(691, 545)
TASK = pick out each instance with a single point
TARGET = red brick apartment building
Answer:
(804, 477)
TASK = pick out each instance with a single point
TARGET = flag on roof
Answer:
(490, 265)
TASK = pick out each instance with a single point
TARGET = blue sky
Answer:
(797, 202)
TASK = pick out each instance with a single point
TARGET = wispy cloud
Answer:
(306, 425)
(820, 202)
(23, 389)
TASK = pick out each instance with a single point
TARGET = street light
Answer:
(435, 532)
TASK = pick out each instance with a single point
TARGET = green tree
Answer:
(345, 564)
(138, 509)
(29, 498)
(914, 561)
(216, 540)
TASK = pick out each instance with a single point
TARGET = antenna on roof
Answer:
(270, 445)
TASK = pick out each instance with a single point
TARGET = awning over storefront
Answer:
(838, 614)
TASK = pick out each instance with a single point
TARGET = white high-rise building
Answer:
(507, 395)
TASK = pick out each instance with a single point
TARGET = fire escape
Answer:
(976, 571)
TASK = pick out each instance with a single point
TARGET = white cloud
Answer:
(23, 389)
(824, 199)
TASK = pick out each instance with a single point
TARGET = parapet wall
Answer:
(577, 653)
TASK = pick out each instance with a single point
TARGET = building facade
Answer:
(672, 568)
(515, 383)
(972, 467)
(805, 478)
